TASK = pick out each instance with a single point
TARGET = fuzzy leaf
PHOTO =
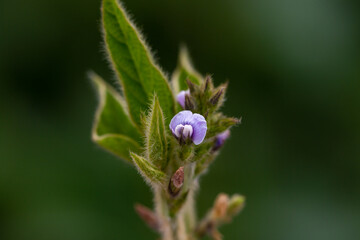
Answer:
(113, 128)
(185, 71)
(117, 144)
(133, 63)
(149, 171)
(156, 143)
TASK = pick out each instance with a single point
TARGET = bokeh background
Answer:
(294, 77)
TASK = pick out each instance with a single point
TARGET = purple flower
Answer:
(220, 139)
(186, 125)
(180, 98)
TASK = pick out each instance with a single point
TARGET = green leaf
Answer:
(149, 171)
(184, 71)
(113, 128)
(156, 143)
(117, 144)
(133, 63)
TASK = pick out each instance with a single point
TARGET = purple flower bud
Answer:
(220, 139)
(186, 125)
(180, 98)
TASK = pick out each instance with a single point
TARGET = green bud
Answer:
(189, 103)
(214, 100)
(221, 125)
(208, 85)
(236, 204)
(191, 85)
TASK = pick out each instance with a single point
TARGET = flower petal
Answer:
(198, 123)
(180, 118)
(180, 98)
(221, 138)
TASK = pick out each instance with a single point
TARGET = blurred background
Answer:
(294, 75)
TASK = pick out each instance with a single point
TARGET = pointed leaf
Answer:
(185, 71)
(149, 171)
(156, 143)
(112, 124)
(133, 63)
(117, 144)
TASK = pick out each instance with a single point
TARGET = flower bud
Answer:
(181, 97)
(220, 139)
(220, 206)
(191, 85)
(236, 204)
(208, 84)
(215, 99)
(176, 182)
(189, 103)
(147, 216)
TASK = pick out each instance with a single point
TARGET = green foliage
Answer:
(117, 144)
(133, 63)
(156, 143)
(113, 129)
(184, 71)
(149, 171)
(136, 128)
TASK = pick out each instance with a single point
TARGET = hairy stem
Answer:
(181, 225)
(162, 211)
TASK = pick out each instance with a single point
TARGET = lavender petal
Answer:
(180, 118)
(180, 98)
(198, 123)
(221, 138)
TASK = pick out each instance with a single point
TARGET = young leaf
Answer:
(149, 171)
(156, 143)
(113, 129)
(133, 63)
(184, 71)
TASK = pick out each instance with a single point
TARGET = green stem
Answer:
(162, 211)
(181, 225)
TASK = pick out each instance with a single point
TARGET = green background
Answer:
(294, 75)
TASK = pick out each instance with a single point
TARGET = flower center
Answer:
(184, 131)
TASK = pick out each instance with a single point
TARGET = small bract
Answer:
(187, 125)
